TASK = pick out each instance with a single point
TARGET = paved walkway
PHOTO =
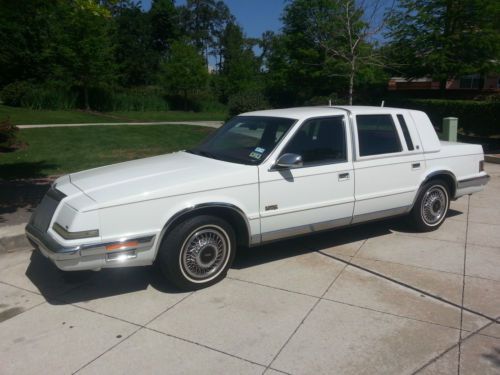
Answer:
(210, 124)
(374, 299)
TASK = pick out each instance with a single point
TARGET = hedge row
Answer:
(474, 117)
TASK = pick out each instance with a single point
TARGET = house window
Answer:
(473, 81)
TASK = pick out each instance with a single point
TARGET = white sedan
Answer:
(261, 177)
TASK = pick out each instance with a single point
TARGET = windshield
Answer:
(245, 139)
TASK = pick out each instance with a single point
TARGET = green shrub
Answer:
(246, 101)
(474, 117)
(8, 135)
(14, 93)
(136, 99)
(48, 97)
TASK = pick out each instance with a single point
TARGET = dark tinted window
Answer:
(377, 134)
(406, 133)
(319, 140)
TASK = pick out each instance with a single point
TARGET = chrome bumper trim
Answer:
(473, 182)
(55, 251)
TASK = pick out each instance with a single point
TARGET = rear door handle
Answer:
(343, 176)
(415, 166)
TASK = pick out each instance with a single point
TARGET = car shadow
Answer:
(60, 287)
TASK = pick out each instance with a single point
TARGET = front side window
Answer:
(377, 135)
(320, 140)
(245, 139)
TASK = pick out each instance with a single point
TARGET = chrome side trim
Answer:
(380, 214)
(304, 229)
(251, 238)
(473, 182)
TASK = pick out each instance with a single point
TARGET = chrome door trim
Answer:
(304, 229)
(380, 214)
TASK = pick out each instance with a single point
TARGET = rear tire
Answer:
(431, 206)
(197, 252)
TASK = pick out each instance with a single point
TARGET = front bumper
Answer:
(126, 251)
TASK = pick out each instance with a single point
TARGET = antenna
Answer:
(382, 104)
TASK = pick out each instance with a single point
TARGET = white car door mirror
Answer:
(289, 161)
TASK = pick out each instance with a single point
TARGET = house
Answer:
(490, 83)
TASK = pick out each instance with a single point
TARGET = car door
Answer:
(388, 165)
(320, 194)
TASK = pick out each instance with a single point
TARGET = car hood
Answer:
(160, 176)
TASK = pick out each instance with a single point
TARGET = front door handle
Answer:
(343, 176)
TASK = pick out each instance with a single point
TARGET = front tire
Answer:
(198, 252)
(431, 206)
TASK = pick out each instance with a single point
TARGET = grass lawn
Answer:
(26, 116)
(170, 116)
(56, 151)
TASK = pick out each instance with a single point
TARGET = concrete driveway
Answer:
(374, 299)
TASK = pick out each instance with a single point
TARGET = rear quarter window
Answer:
(377, 135)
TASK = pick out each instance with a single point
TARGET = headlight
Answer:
(74, 235)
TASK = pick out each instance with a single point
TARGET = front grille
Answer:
(43, 214)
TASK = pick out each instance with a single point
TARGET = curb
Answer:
(12, 238)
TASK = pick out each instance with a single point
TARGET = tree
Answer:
(165, 23)
(135, 54)
(88, 51)
(445, 38)
(239, 67)
(344, 30)
(184, 71)
(204, 23)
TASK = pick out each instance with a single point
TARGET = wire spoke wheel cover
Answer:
(434, 205)
(205, 253)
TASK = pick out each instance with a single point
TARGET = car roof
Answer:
(300, 113)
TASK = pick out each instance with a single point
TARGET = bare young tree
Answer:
(347, 30)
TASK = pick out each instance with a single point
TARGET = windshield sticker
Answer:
(260, 150)
(255, 155)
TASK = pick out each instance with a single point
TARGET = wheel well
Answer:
(448, 179)
(230, 215)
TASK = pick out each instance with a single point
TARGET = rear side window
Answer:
(377, 135)
(406, 133)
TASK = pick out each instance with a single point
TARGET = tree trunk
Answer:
(185, 100)
(86, 97)
(351, 84)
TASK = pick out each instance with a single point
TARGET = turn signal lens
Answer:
(122, 245)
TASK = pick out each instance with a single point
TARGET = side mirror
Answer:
(289, 161)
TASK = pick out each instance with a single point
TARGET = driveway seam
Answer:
(408, 286)
(139, 327)
(345, 303)
(408, 265)
(463, 289)
(461, 340)
(403, 234)
(306, 316)
(203, 346)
